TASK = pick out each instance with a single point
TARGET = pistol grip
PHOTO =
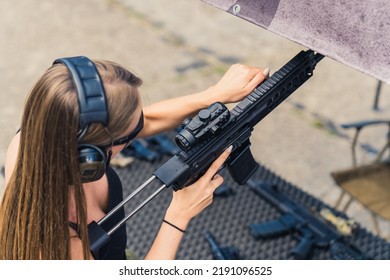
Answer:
(302, 250)
(241, 164)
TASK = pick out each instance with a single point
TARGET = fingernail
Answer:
(266, 72)
(229, 149)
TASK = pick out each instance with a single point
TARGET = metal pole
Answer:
(109, 214)
(123, 221)
(377, 93)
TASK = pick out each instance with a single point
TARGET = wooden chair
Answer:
(367, 183)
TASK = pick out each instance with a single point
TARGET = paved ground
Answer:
(180, 47)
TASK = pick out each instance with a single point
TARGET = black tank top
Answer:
(115, 249)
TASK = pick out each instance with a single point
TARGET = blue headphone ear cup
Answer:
(92, 161)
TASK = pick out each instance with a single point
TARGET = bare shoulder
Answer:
(11, 156)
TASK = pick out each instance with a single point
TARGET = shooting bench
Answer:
(228, 219)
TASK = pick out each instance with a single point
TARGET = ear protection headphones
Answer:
(93, 109)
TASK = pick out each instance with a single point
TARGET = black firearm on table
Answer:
(214, 129)
(312, 230)
(219, 252)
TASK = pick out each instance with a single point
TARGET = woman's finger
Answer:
(216, 182)
(258, 78)
(214, 167)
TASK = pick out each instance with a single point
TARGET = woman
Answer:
(47, 205)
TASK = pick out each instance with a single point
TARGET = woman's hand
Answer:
(190, 201)
(186, 203)
(238, 81)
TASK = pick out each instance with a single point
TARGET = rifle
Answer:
(140, 148)
(163, 144)
(204, 137)
(151, 148)
(221, 253)
(313, 231)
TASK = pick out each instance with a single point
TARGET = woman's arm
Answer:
(185, 205)
(235, 84)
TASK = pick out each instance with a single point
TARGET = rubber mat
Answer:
(228, 219)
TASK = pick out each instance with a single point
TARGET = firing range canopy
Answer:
(353, 32)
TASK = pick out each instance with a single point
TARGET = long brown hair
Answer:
(34, 209)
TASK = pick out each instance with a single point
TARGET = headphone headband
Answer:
(89, 88)
(93, 109)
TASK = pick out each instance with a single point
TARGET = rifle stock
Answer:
(206, 136)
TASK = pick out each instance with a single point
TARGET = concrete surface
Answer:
(180, 47)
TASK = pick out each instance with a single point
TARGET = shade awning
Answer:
(353, 32)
